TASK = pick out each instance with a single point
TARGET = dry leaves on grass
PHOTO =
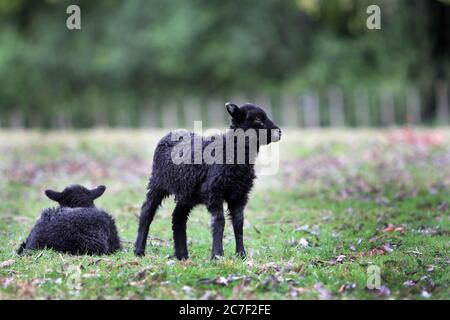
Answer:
(416, 139)
(393, 228)
(143, 278)
(424, 283)
(380, 250)
(372, 252)
(347, 287)
(443, 206)
(211, 295)
(222, 281)
(339, 259)
(128, 263)
(23, 289)
(242, 290)
(324, 294)
(383, 291)
(295, 292)
(7, 263)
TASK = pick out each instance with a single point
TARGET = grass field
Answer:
(342, 201)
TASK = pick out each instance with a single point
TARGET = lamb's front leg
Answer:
(179, 218)
(237, 218)
(217, 224)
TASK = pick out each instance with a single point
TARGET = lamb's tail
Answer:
(21, 248)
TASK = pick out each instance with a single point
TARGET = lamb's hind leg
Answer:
(148, 210)
(179, 219)
(237, 218)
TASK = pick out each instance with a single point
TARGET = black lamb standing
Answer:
(76, 226)
(210, 184)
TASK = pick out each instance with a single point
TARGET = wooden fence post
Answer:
(169, 115)
(310, 107)
(442, 103)
(336, 107)
(361, 107)
(289, 112)
(387, 108)
(192, 112)
(216, 112)
(148, 117)
(413, 112)
(16, 120)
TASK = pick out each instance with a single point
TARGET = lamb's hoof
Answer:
(241, 254)
(216, 256)
(139, 253)
(181, 257)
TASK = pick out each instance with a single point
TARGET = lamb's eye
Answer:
(258, 122)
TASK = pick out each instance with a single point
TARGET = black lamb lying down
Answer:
(76, 226)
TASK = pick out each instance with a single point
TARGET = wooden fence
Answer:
(332, 107)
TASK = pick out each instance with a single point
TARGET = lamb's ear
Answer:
(234, 111)
(53, 195)
(97, 192)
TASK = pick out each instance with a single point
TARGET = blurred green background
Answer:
(161, 63)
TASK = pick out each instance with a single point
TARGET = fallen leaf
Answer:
(38, 281)
(383, 291)
(303, 243)
(295, 291)
(25, 289)
(393, 228)
(7, 263)
(323, 292)
(271, 282)
(414, 252)
(347, 287)
(171, 263)
(209, 295)
(387, 248)
(427, 283)
(6, 282)
(372, 252)
(141, 273)
(270, 266)
(128, 263)
(443, 206)
(409, 283)
(382, 201)
(187, 289)
(221, 281)
(389, 228)
(338, 259)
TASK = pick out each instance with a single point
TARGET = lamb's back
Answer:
(177, 177)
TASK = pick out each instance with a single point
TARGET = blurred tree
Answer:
(130, 52)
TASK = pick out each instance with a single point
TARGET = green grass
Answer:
(312, 230)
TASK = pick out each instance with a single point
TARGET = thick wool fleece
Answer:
(76, 226)
(208, 184)
(74, 231)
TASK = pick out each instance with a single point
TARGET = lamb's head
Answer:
(76, 196)
(252, 117)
